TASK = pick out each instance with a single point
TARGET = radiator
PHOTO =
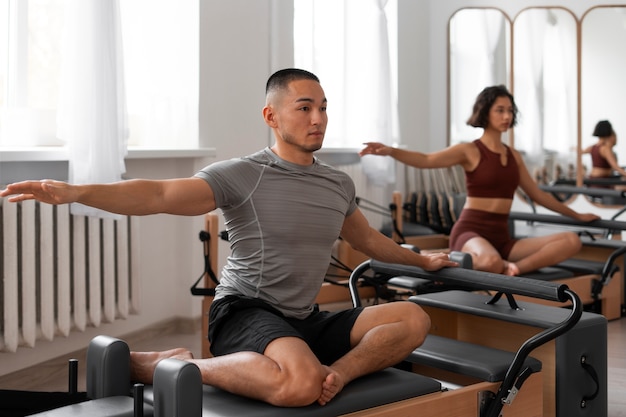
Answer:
(61, 273)
(377, 195)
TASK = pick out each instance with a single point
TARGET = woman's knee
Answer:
(488, 262)
(573, 241)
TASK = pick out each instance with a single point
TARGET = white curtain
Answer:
(161, 71)
(369, 104)
(545, 87)
(560, 86)
(91, 115)
(475, 38)
(529, 65)
(346, 44)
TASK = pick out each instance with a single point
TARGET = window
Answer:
(160, 71)
(351, 46)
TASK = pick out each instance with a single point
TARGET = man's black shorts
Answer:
(247, 324)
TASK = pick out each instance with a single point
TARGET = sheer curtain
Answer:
(91, 115)
(529, 64)
(346, 43)
(477, 37)
(560, 86)
(545, 82)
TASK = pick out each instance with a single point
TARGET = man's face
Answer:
(300, 115)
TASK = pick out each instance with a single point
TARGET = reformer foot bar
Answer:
(570, 344)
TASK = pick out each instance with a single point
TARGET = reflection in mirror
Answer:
(603, 84)
(545, 89)
(479, 57)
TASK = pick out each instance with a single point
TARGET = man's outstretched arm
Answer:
(363, 238)
(183, 196)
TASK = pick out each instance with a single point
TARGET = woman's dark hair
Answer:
(281, 78)
(603, 129)
(484, 102)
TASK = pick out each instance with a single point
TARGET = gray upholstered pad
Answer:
(482, 362)
(532, 314)
(380, 388)
(549, 273)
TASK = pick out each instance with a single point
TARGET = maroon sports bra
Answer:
(597, 160)
(491, 179)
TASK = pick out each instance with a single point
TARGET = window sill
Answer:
(339, 156)
(57, 153)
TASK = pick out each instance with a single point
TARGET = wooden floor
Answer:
(53, 375)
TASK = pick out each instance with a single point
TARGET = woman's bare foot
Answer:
(510, 269)
(331, 386)
(142, 364)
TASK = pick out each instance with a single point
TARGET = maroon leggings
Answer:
(494, 227)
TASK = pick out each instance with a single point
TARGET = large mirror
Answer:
(553, 54)
(545, 86)
(603, 80)
(479, 56)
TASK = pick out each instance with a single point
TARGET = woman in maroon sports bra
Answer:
(603, 159)
(493, 171)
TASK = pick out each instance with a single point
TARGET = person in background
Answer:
(284, 210)
(603, 159)
(493, 171)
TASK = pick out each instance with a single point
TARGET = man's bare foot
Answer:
(510, 269)
(331, 386)
(142, 364)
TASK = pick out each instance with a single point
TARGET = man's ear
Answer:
(269, 115)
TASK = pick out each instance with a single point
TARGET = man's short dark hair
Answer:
(281, 78)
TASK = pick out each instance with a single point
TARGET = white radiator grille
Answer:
(61, 273)
(364, 190)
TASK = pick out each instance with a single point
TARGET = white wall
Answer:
(242, 43)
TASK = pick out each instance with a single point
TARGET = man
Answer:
(284, 210)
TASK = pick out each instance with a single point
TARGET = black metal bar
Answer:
(472, 279)
(502, 396)
(73, 376)
(353, 282)
(138, 400)
(593, 192)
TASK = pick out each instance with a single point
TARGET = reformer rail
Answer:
(563, 220)
(479, 280)
(592, 192)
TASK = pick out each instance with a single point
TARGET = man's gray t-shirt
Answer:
(282, 221)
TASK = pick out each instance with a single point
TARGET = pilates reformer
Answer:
(611, 196)
(516, 387)
(177, 390)
(392, 392)
(596, 272)
(573, 358)
(564, 192)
